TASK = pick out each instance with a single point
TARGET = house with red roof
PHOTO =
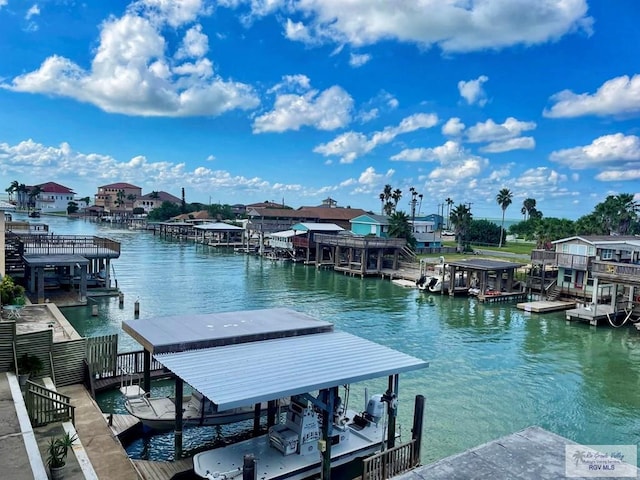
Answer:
(117, 197)
(51, 197)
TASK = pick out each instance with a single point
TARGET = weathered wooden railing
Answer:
(390, 463)
(47, 406)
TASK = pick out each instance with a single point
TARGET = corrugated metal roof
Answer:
(190, 331)
(220, 226)
(248, 373)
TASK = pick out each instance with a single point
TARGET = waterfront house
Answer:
(117, 197)
(370, 224)
(154, 200)
(592, 267)
(267, 220)
(304, 243)
(52, 197)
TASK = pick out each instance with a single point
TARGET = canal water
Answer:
(493, 369)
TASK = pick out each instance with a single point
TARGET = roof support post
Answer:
(178, 426)
(146, 367)
(391, 397)
(328, 397)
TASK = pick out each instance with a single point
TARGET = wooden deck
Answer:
(502, 297)
(121, 424)
(544, 306)
(531, 454)
(148, 470)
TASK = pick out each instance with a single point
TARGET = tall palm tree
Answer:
(132, 198)
(400, 227)
(528, 206)
(396, 196)
(13, 188)
(22, 195)
(33, 195)
(120, 196)
(461, 218)
(504, 199)
(382, 203)
(449, 202)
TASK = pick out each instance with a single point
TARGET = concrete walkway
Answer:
(21, 459)
(106, 454)
(98, 455)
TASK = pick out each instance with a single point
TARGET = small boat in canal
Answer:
(292, 449)
(158, 413)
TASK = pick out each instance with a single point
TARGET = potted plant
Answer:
(28, 365)
(57, 454)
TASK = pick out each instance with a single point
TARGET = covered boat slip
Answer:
(242, 358)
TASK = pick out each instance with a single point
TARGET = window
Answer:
(568, 275)
(606, 254)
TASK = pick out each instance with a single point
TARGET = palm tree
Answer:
(154, 194)
(33, 195)
(400, 227)
(449, 202)
(382, 203)
(504, 199)
(528, 206)
(396, 196)
(132, 198)
(12, 189)
(120, 196)
(22, 192)
(461, 218)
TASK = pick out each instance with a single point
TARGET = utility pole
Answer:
(413, 202)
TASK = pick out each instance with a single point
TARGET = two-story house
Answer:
(591, 267)
(117, 197)
(52, 197)
(154, 200)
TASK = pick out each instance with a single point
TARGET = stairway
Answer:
(552, 292)
(13, 250)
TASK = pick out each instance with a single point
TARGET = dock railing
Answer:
(47, 406)
(389, 463)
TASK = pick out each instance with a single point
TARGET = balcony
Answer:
(628, 273)
(543, 256)
(574, 262)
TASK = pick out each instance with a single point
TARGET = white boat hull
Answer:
(226, 462)
(159, 413)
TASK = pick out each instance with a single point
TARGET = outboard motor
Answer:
(375, 409)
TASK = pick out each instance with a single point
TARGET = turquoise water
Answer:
(493, 369)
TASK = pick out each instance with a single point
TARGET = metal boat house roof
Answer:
(242, 358)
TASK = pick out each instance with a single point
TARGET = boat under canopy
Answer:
(242, 358)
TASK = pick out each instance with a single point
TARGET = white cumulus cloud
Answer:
(351, 145)
(326, 110)
(473, 92)
(491, 131)
(618, 96)
(455, 26)
(132, 72)
(453, 127)
(358, 60)
(617, 152)
(518, 143)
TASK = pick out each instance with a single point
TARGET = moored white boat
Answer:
(158, 413)
(291, 450)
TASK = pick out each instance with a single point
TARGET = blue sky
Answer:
(242, 101)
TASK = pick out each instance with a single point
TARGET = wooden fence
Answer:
(390, 463)
(47, 406)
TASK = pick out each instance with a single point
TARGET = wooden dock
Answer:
(545, 306)
(122, 425)
(148, 470)
(502, 297)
